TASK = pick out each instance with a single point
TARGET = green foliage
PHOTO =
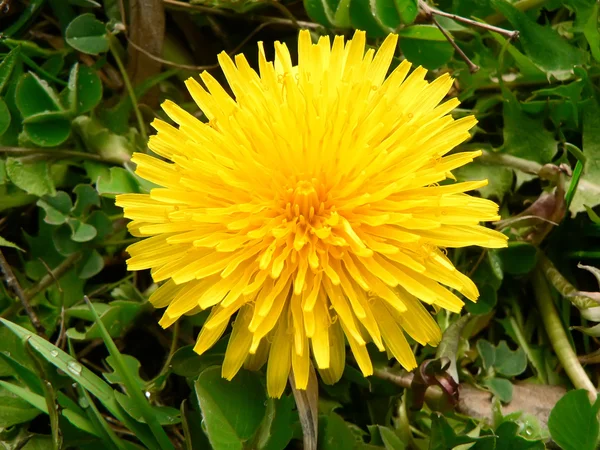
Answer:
(573, 422)
(75, 97)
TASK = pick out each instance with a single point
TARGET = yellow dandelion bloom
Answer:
(309, 207)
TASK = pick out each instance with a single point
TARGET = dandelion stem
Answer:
(558, 336)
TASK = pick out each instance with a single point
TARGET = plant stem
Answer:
(558, 336)
(510, 34)
(14, 284)
(130, 91)
(54, 153)
(527, 166)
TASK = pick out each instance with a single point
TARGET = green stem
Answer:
(51, 154)
(558, 336)
(130, 90)
(527, 166)
(541, 373)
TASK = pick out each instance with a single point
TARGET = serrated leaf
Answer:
(588, 189)
(6, 243)
(525, 136)
(544, 46)
(500, 179)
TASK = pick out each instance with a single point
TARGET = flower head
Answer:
(309, 208)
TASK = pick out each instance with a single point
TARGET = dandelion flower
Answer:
(308, 209)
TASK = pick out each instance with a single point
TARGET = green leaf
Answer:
(84, 89)
(39, 402)
(510, 363)
(33, 178)
(63, 242)
(7, 65)
(335, 433)
(499, 178)
(50, 131)
(231, 410)
(422, 32)
(119, 181)
(509, 439)
(586, 22)
(98, 139)
(525, 136)
(391, 441)
(87, 34)
(87, 197)
(443, 437)
(573, 423)
(488, 297)
(519, 258)
(407, 10)
(5, 117)
(165, 415)
(187, 363)
(14, 410)
(363, 16)
(56, 208)
(275, 431)
(544, 46)
(34, 96)
(6, 243)
(588, 189)
(91, 265)
(487, 351)
(431, 54)
(132, 364)
(133, 390)
(81, 232)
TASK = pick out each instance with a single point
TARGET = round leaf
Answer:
(573, 423)
(427, 53)
(232, 410)
(87, 34)
(34, 96)
(49, 133)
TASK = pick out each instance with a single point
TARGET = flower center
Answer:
(305, 200)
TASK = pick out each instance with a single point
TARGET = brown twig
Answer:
(510, 34)
(429, 14)
(55, 274)
(14, 284)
